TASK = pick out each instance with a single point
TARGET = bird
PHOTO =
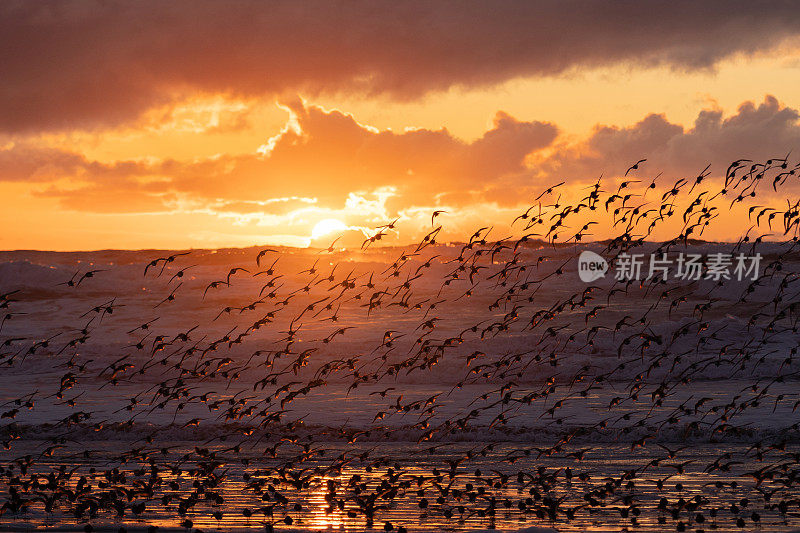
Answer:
(635, 166)
(262, 253)
(302, 400)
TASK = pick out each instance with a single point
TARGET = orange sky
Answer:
(220, 125)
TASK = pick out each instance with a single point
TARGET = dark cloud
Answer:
(89, 63)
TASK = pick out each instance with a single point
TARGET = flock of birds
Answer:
(506, 317)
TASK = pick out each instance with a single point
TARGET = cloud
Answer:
(326, 156)
(274, 206)
(757, 132)
(84, 63)
(28, 161)
(325, 164)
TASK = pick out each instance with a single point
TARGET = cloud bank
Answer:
(85, 64)
(328, 160)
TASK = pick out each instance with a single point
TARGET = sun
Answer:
(326, 226)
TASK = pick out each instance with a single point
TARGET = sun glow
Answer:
(326, 227)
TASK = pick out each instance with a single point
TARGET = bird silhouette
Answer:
(470, 384)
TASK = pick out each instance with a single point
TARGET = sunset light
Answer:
(326, 227)
(519, 266)
(125, 135)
